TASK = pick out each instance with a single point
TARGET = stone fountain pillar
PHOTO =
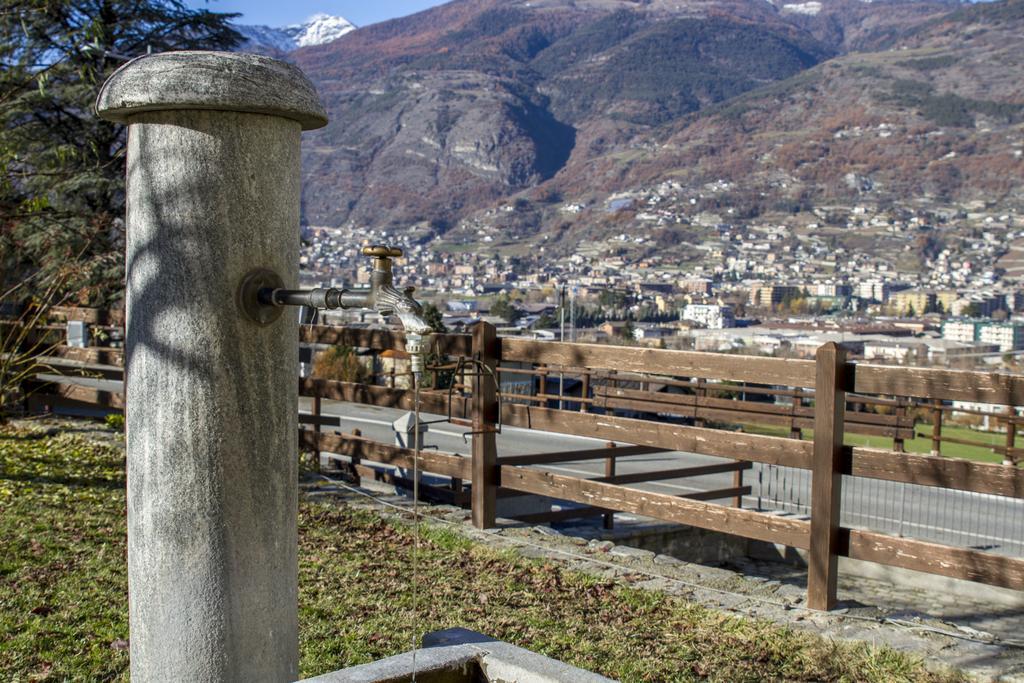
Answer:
(213, 192)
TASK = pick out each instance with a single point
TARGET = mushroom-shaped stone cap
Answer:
(223, 81)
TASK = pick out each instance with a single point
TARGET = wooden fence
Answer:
(826, 392)
(828, 381)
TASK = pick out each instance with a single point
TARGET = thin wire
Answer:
(750, 598)
(415, 520)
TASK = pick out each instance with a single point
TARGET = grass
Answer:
(63, 593)
(915, 445)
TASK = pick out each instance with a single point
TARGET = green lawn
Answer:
(916, 445)
(63, 593)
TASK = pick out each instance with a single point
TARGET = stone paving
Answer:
(982, 638)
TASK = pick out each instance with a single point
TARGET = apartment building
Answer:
(710, 316)
(1006, 336)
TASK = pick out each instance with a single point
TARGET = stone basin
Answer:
(459, 655)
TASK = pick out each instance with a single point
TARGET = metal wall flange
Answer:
(249, 302)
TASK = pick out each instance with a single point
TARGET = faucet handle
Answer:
(382, 255)
(382, 251)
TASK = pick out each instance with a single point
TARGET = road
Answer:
(956, 518)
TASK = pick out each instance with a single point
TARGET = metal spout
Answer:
(382, 296)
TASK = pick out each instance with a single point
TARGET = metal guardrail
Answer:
(964, 519)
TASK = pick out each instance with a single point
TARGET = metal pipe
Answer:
(319, 298)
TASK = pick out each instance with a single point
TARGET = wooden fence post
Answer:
(936, 427)
(485, 416)
(737, 483)
(901, 412)
(585, 393)
(316, 428)
(737, 475)
(701, 391)
(798, 402)
(1011, 435)
(609, 471)
(542, 384)
(826, 475)
(357, 479)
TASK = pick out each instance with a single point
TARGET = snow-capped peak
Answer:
(319, 29)
(810, 8)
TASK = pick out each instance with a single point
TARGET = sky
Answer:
(277, 13)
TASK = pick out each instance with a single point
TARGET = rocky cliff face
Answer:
(451, 111)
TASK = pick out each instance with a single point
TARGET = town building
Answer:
(711, 316)
(768, 296)
(912, 302)
(1007, 336)
(696, 285)
(874, 290)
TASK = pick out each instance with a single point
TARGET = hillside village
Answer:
(937, 286)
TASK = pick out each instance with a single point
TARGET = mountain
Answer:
(318, 30)
(860, 25)
(441, 118)
(937, 117)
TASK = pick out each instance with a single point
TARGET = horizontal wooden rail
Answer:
(542, 372)
(959, 410)
(718, 494)
(73, 369)
(544, 398)
(55, 394)
(93, 316)
(785, 372)
(950, 385)
(99, 355)
(959, 441)
(323, 420)
(692, 400)
(678, 473)
(430, 401)
(380, 339)
(447, 464)
(428, 492)
(772, 450)
(933, 558)
(874, 400)
(614, 379)
(928, 470)
(572, 456)
(668, 508)
(727, 410)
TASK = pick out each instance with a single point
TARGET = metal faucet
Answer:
(381, 297)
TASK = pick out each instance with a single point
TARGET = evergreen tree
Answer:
(546, 322)
(505, 309)
(62, 188)
(433, 317)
